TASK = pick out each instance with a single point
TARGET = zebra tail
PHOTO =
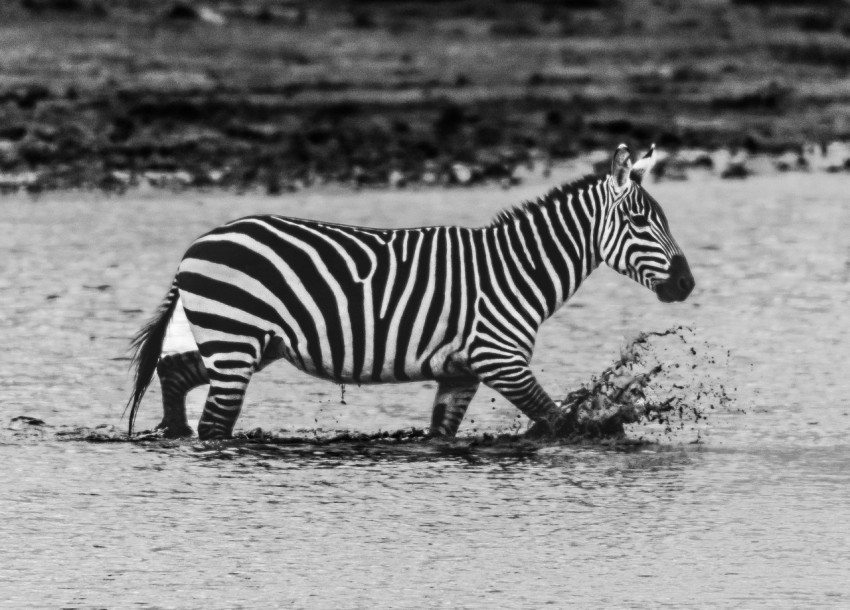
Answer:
(146, 347)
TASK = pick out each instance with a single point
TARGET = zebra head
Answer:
(636, 239)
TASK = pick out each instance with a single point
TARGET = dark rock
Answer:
(14, 133)
(182, 11)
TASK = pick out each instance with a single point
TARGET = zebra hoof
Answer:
(562, 428)
(212, 432)
(175, 430)
(438, 434)
(539, 429)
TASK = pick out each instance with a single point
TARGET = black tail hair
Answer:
(147, 346)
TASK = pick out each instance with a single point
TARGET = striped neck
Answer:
(552, 244)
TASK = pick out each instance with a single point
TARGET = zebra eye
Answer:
(640, 220)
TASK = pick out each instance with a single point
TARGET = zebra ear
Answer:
(644, 166)
(621, 166)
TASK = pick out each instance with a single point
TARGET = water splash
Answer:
(661, 388)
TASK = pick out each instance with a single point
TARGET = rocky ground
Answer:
(279, 95)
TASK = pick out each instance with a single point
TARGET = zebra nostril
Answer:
(686, 283)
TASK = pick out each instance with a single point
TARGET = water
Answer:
(754, 514)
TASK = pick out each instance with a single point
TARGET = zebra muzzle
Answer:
(679, 283)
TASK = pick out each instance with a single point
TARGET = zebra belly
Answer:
(446, 363)
(272, 342)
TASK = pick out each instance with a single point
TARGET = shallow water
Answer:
(754, 514)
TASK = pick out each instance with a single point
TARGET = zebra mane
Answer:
(553, 197)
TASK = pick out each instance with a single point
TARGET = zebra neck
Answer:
(552, 245)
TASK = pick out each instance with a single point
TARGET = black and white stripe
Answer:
(359, 305)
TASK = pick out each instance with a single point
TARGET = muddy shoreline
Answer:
(382, 94)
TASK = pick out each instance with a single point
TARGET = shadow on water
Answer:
(260, 449)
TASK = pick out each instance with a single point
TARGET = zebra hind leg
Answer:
(178, 374)
(450, 405)
(228, 382)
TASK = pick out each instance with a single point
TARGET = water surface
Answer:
(754, 514)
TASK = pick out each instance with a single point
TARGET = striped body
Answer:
(358, 305)
(344, 303)
(370, 306)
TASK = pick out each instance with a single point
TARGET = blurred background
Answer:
(283, 94)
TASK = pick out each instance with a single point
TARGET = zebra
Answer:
(461, 306)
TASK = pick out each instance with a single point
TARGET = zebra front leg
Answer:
(513, 379)
(450, 405)
(228, 382)
(178, 373)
